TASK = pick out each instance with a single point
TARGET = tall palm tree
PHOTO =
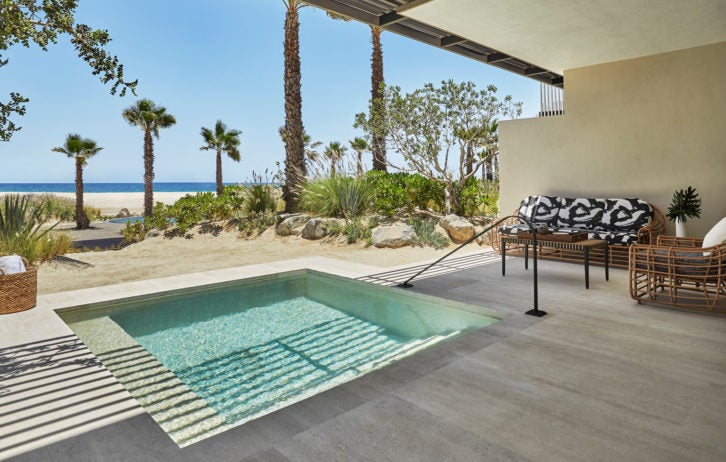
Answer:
(295, 169)
(80, 149)
(335, 152)
(150, 118)
(359, 145)
(378, 141)
(220, 140)
(378, 144)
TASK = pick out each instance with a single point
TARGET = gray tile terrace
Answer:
(599, 378)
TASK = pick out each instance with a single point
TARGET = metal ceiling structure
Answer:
(390, 15)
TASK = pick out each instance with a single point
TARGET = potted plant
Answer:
(685, 204)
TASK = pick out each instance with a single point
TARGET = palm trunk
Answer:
(148, 174)
(295, 169)
(378, 141)
(82, 221)
(220, 185)
(360, 164)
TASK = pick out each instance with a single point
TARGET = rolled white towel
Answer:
(12, 264)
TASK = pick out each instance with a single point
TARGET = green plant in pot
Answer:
(685, 204)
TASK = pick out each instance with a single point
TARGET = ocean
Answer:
(106, 187)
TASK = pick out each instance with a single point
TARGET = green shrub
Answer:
(426, 234)
(134, 232)
(336, 196)
(393, 192)
(259, 198)
(62, 208)
(478, 198)
(255, 224)
(23, 230)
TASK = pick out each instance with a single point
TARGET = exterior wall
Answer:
(637, 128)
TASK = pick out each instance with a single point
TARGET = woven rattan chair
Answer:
(18, 291)
(679, 272)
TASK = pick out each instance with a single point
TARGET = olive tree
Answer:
(41, 22)
(444, 133)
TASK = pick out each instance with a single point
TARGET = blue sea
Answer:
(106, 187)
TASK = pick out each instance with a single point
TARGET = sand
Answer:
(159, 256)
(111, 203)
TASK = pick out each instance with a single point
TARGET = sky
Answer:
(221, 61)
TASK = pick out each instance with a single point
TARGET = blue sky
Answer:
(221, 61)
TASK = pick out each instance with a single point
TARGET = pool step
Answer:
(181, 412)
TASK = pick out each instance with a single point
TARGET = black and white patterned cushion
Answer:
(626, 214)
(580, 213)
(539, 209)
(511, 230)
(615, 237)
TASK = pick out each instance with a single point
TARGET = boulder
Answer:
(485, 238)
(458, 229)
(123, 213)
(318, 228)
(291, 224)
(394, 236)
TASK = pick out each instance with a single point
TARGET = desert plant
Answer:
(395, 192)
(429, 124)
(23, 230)
(259, 198)
(684, 205)
(426, 234)
(336, 196)
(255, 224)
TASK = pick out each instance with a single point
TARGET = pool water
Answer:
(206, 360)
(124, 220)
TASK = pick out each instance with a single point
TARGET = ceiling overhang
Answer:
(541, 39)
(392, 15)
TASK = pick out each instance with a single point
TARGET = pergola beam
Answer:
(450, 40)
(373, 13)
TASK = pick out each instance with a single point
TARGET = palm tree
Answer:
(378, 142)
(295, 169)
(360, 146)
(377, 82)
(80, 149)
(335, 152)
(221, 140)
(150, 118)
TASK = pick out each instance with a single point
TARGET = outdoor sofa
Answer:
(619, 221)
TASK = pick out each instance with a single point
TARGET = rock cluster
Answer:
(388, 235)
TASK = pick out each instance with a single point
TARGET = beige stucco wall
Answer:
(635, 128)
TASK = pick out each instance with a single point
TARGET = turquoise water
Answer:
(125, 220)
(249, 348)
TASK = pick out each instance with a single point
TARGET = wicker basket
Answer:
(18, 291)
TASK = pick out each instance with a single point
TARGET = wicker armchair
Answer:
(679, 272)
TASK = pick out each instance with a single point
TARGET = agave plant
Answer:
(22, 230)
(337, 196)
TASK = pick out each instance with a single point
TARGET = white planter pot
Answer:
(680, 228)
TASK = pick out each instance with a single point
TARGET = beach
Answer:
(112, 203)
